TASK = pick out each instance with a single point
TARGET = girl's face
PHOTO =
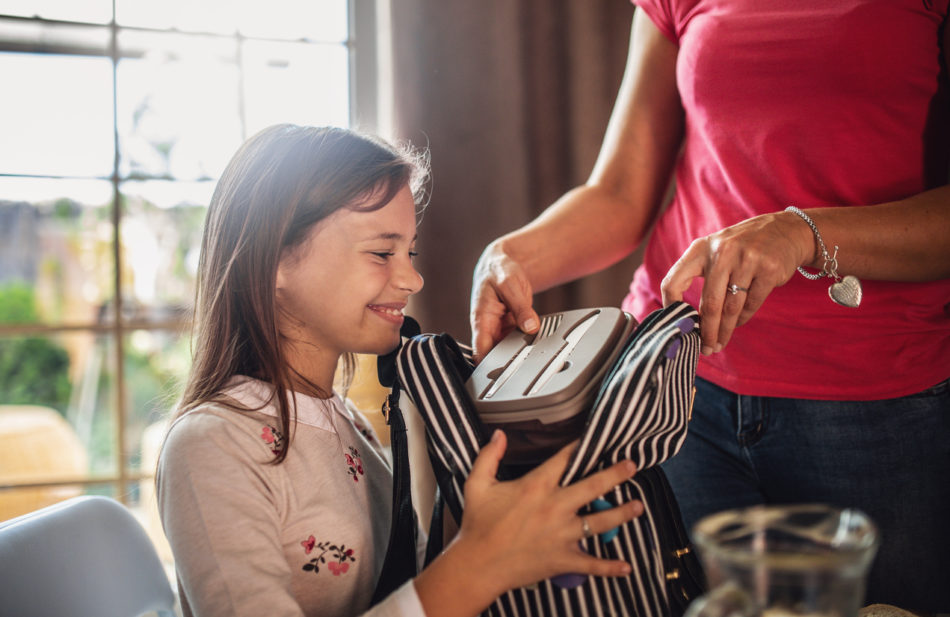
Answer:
(344, 289)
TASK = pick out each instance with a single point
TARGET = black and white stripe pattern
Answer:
(640, 413)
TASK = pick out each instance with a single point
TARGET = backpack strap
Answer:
(433, 370)
(399, 564)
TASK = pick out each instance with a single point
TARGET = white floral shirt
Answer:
(305, 537)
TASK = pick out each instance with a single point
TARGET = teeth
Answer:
(388, 311)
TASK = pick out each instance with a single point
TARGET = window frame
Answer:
(367, 21)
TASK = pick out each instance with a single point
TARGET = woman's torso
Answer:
(809, 104)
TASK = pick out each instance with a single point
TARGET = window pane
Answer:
(218, 16)
(322, 20)
(161, 238)
(56, 248)
(156, 365)
(92, 11)
(93, 410)
(316, 20)
(56, 115)
(56, 407)
(292, 82)
(178, 107)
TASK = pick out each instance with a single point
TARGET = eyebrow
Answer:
(392, 236)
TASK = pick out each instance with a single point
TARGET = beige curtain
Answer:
(512, 98)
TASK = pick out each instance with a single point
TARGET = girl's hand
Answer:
(528, 529)
(501, 299)
(758, 255)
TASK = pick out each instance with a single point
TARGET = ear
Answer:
(280, 281)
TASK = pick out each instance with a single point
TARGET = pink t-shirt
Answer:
(808, 103)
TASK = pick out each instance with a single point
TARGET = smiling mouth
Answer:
(386, 310)
(392, 314)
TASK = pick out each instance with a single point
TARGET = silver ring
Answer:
(587, 530)
(734, 289)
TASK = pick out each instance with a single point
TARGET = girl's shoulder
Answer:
(241, 419)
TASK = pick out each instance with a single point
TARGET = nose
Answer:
(408, 278)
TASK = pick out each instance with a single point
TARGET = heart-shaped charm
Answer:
(846, 292)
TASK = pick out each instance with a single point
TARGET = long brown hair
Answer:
(278, 185)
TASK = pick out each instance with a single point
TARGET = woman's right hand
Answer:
(501, 299)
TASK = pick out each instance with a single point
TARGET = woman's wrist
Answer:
(803, 239)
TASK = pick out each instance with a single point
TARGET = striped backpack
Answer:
(640, 413)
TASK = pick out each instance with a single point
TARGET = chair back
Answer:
(86, 556)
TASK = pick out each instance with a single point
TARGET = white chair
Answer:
(84, 557)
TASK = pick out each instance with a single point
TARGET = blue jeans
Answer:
(889, 458)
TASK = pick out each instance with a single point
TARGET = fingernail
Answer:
(706, 350)
(529, 324)
(496, 435)
(625, 568)
(629, 467)
(718, 347)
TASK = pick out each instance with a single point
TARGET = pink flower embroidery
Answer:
(354, 463)
(272, 436)
(336, 558)
(338, 568)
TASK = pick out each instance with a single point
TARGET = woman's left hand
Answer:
(756, 256)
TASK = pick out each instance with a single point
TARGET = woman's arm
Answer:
(602, 221)
(906, 240)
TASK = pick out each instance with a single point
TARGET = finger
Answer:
(517, 297)
(482, 341)
(551, 470)
(689, 266)
(593, 486)
(600, 522)
(710, 307)
(758, 292)
(494, 308)
(514, 291)
(732, 306)
(485, 467)
(584, 563)
(486, 318)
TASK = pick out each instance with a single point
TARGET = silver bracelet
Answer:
(844, 291)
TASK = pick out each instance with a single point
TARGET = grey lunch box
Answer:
(538, 388)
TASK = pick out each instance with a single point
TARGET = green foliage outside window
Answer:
(33, 370)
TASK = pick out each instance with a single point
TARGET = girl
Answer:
(274, 494)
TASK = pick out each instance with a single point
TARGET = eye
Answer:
(384, 255)
(413, 254)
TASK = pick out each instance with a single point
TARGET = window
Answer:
(117, 117)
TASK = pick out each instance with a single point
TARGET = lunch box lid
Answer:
(553, 374)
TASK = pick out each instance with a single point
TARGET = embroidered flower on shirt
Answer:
(336, 558)
(272, 436)
(355, 463)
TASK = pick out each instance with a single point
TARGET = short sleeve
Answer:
(661, 14)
